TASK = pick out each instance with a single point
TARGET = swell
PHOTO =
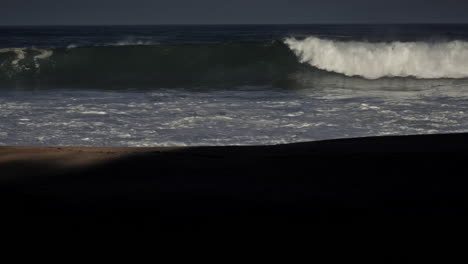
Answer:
(187, 65)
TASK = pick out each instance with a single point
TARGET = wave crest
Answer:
(376, 60)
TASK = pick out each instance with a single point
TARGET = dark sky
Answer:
(65, 12)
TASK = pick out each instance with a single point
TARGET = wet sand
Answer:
(295, 186)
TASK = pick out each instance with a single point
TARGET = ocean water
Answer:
(229, 85)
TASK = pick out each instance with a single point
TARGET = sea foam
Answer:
(21, 54)
(424, 60)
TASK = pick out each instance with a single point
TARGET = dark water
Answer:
(57, 36)
(209, 56)
(216, 85)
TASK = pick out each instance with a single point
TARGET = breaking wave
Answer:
(282, 64)
(376, 60)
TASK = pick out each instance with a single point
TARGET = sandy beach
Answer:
(407, 178)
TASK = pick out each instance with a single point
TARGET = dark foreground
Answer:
(287, 187)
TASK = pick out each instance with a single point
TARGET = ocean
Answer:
(186, 85)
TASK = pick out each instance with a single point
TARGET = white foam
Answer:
(133, 42)
(376, 60)
(20, 55)
(43, 54)
(94, 113)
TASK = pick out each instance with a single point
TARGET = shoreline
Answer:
(407, 178)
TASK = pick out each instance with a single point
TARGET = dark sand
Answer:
(408, 178)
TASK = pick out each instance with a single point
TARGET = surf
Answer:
(423, 60)
(310, 62)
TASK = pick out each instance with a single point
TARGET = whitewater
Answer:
(424, 60)
(230, 85)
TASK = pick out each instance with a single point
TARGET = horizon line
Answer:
(241, 24)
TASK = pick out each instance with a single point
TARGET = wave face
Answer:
(376, 60)
(167, 66)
